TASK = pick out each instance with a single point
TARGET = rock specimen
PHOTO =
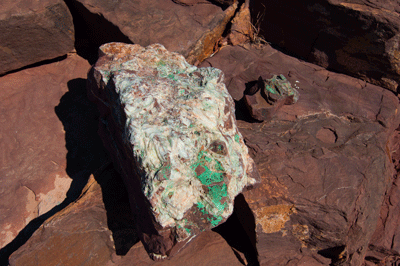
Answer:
(171, 131)
(265, 97)
(33, 31)
(356, 37)
(325, 164)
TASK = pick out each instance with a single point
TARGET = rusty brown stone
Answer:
(325, 162)
(33, 31)
(33, 159)
(358, 38)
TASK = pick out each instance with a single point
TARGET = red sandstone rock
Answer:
(71, 238)
(384, 246)
(32, 143)
(191, 29)
(33, 31)
(86, 233)
(325, 161)
(359, 38)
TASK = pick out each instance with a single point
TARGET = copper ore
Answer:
(181, 128)
(278, 87)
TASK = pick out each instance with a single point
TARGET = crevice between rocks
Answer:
(336, 254)
(40, 63)
(92, 31)
(239, 232)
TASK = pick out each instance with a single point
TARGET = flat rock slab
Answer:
(325, 161)
(190, 29)
(33, 158)
(70, 237)
(356, 37)
(85, 233)
(33, 31)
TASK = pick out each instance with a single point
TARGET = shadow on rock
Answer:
(92, 30)
(239, 232)
(86, 155)
(120, 219)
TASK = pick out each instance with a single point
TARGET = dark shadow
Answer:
(86, 151)
(241, 110)
(120, 219)
(223, 4)
(86, 155)
(239, 232)
(336, 254)
(242, 113)
(80, 118)
(252, 87)
(41, 63)
(92, 30)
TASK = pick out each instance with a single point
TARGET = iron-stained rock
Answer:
(357, 37)
(33, 31)
(171, 130)
(265, 97)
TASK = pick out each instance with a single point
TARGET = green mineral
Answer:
(177, 123)
(278, 87)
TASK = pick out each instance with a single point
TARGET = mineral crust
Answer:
(171, 131)
(267, 96)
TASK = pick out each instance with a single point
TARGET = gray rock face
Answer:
(172, 132)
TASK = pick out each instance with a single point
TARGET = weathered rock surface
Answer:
(86, 233)
(266, 96)
(33, 31)
(191, 28)
(384, 246)
(33, 178)
(359, 38)
(171, 131)
(56, 241)
(325, 162)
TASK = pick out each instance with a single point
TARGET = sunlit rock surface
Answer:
(171, 130)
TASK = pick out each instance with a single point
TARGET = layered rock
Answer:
(384, 246)
(325, 162)
(97, 230)
(33, 160)
(69, 229)
(171, 131)
(191, 28)
(358, 38)
(33, 31)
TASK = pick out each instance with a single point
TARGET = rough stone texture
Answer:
(190, 29)
(356, 37)
(241, 30)
(265, 97)
(33, 178)
(70, 237)
(33, 31)
(385, 243)
(325, 162)
(171, 131)
(97, 228)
